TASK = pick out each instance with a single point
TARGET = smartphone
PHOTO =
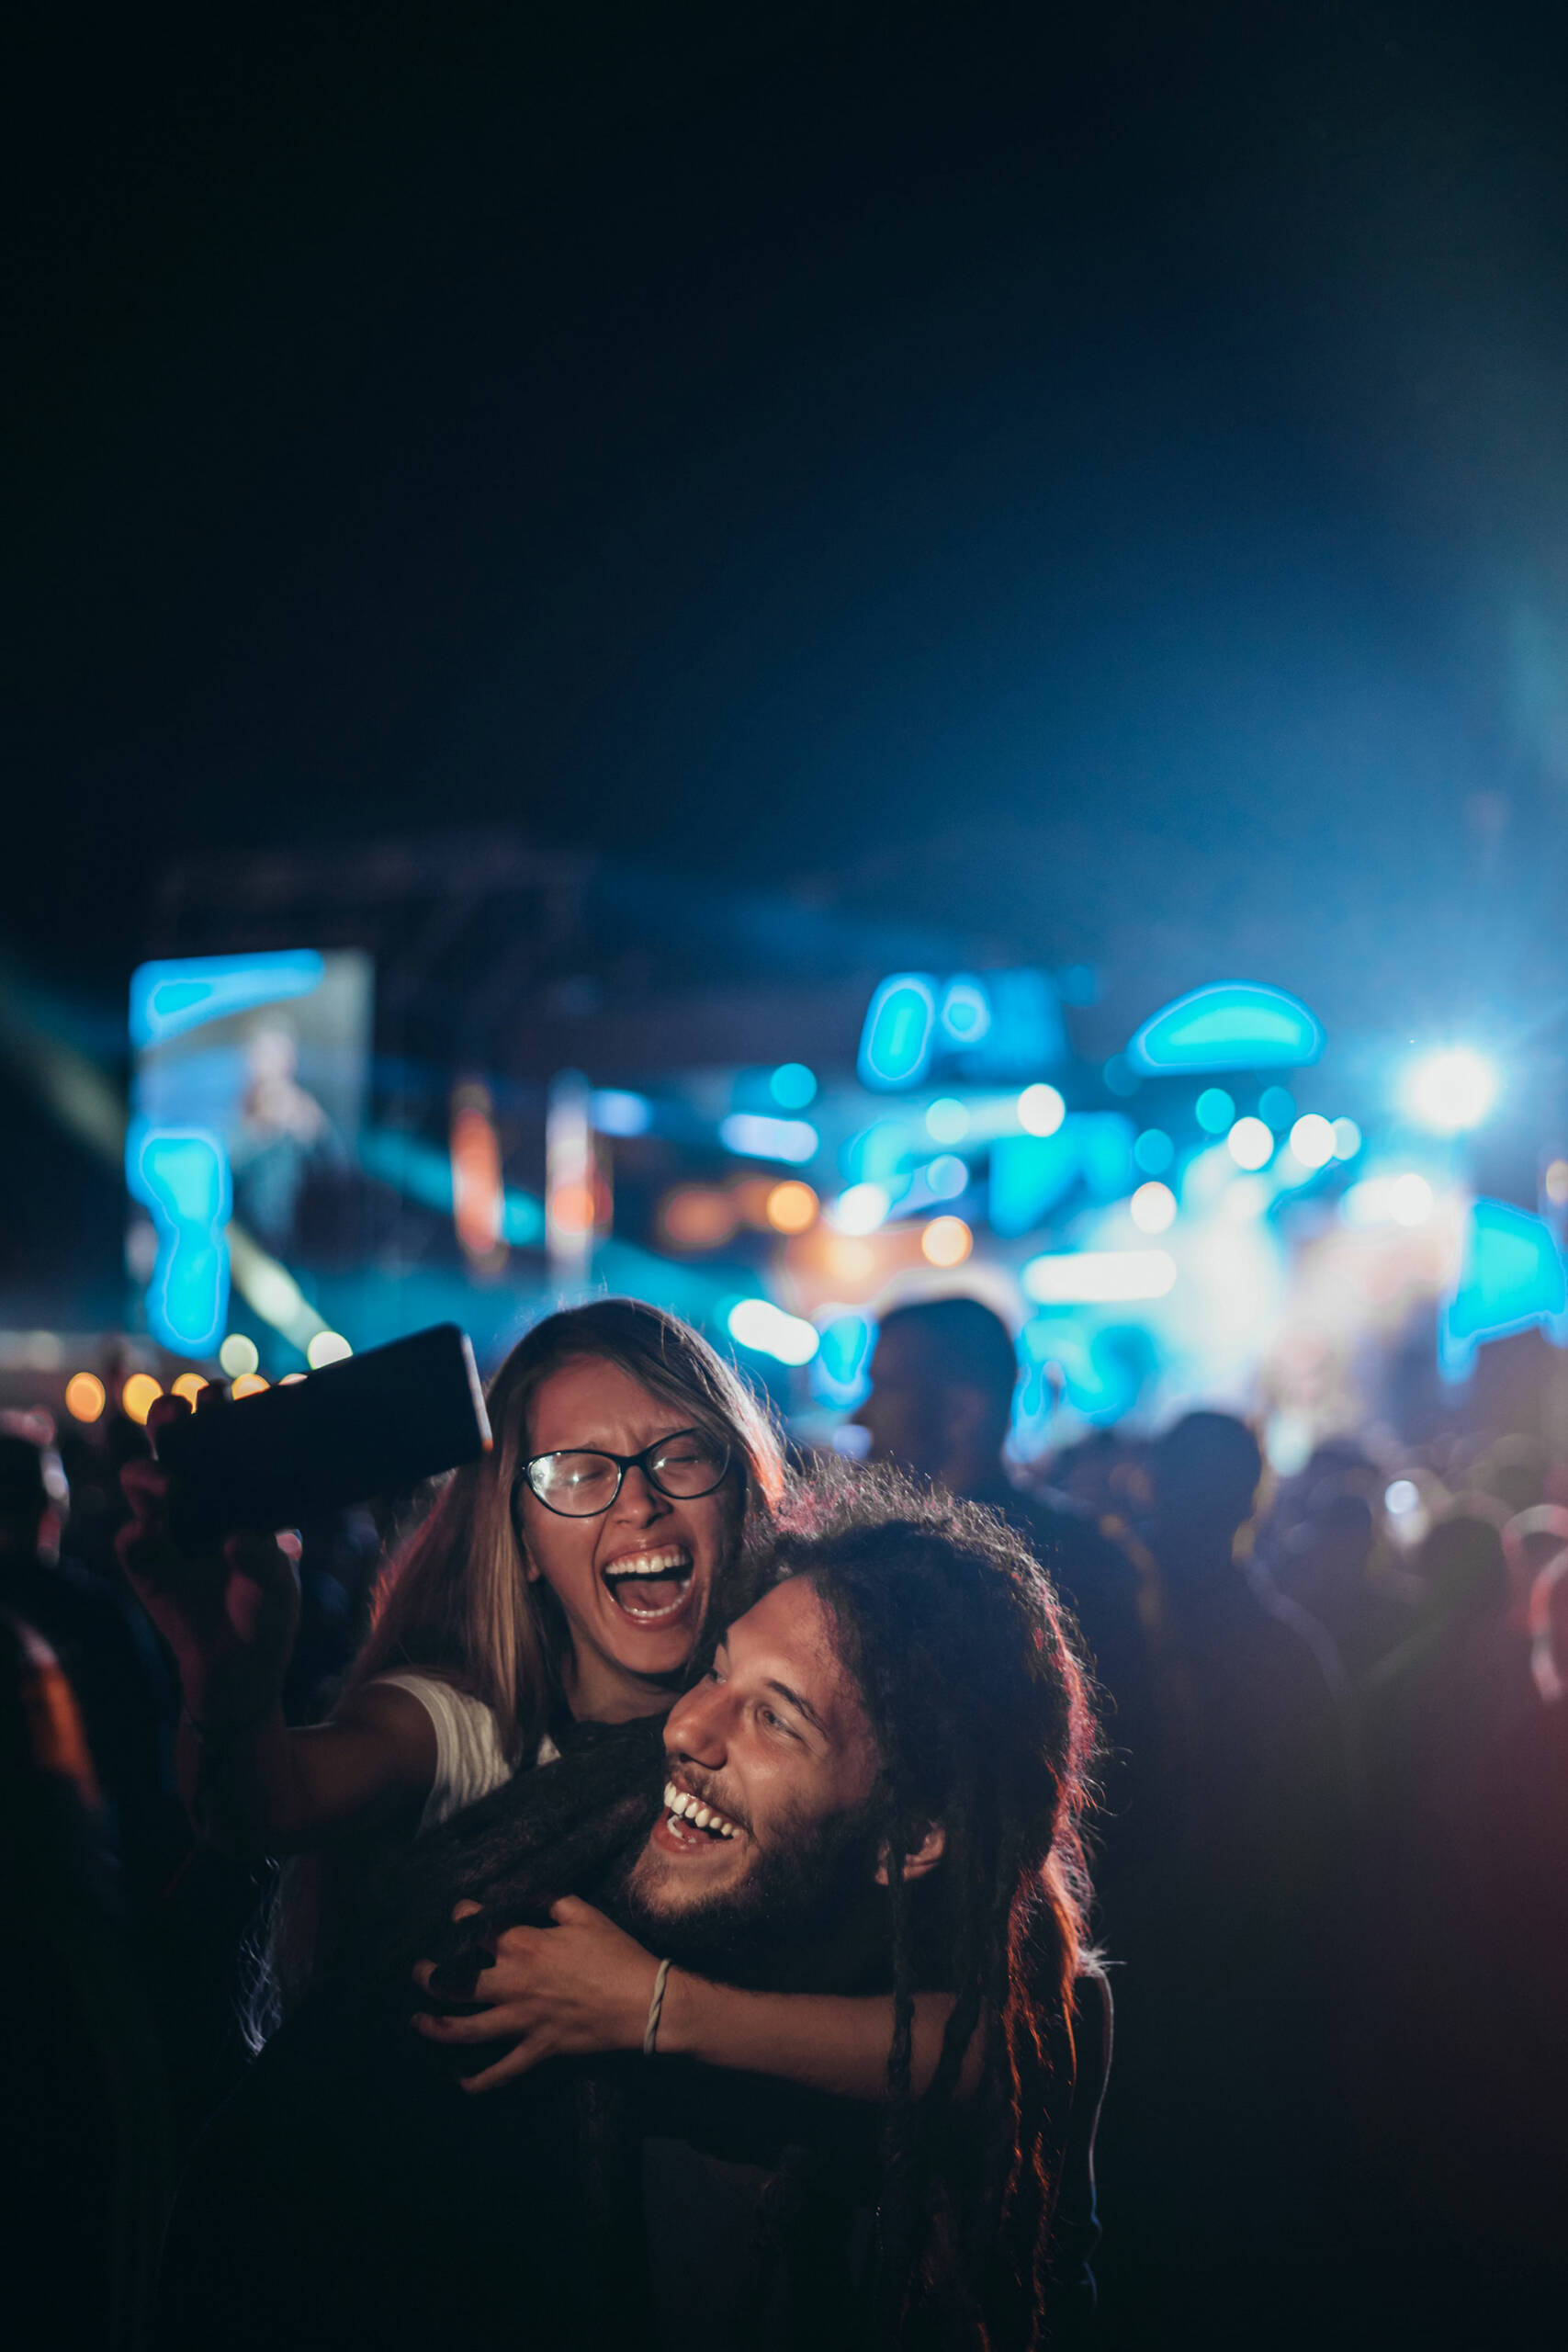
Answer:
(373, 1424)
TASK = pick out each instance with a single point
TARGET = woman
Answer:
(566, 1575)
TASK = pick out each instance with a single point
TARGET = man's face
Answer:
(903, 1411)
(770, 1768)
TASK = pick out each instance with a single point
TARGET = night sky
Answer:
(1104, 469)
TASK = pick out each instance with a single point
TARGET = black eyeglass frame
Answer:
(624, 1462)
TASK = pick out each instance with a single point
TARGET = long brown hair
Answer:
(456, 1600)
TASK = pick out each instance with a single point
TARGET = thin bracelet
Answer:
(655, 2008)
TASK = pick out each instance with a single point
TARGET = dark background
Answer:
(1095, 474)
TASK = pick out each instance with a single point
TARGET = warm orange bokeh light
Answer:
(947, 1241)
(697, 1217)
(83, 1395)
(140, 1395)
(792, 1206)
(572, 1208)
(250, 1383)
(190, 1386)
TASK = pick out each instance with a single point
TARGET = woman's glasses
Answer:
(583, 1481)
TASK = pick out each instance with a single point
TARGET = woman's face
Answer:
(635, 1582)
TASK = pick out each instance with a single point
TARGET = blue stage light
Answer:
(1214, 1110)
(793, 1086)
(965, 1009)
(617, 1112)
(1234, 1024)
(1153, 1151)
(1449, 1090)
(168, 998)
(895, 1041)
(1277, 1105)
(839, 1369)
(752, 1137)
(947, 1177)
(1512, 1275)
(181, 1176)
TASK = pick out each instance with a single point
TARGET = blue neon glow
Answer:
(839, 1371)
(1153, 1151)
(883, 1153)
(1234, 1024)
(753, 1137)
(1277, 1107)
(1214, 1110)
(616, 1112)
(1512, 1276)
(793, 1086)
(169, 998)
(965, 1009)
(895, 1041)
(424, 1174)
(1029, 1174)
(181, 1174)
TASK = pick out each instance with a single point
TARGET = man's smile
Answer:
(689, 1824)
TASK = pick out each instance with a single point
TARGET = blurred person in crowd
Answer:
(564, 1576)
(1102, 1474)
(942, 1377)
(831, 1842)
(107, 1651)
(1467, 1782)
(1321, 1549)
(1231, 1933)
(83, 2113)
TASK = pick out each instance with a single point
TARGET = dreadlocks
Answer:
(980, 1710)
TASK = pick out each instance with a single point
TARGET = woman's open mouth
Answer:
(650, 1587)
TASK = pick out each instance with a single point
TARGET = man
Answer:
(830, 1822)
(943, 1378)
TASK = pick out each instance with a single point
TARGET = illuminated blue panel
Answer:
(895, 1042)
(1029, 1174)
(167, 999)
(1512, 1276)
(839, 1372)
(181, 1176)
(1235, 1024)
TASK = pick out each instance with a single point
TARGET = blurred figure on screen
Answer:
(281, 1132)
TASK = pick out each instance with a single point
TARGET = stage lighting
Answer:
(1251, 1143)
(1153, 1207)
(861, 1209)
(946, 1241)
(947, 1121)
(1214, 1109)
(1311, 1140)
(327, 1347)
(1091, 1277)
(238, 1355)
(1041, 1110)
(1154, 1151)
(84, 1397)
(758, 1324)
(1451, 1091)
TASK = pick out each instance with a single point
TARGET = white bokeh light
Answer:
(1153, 1207)
(1311, 1140)
(1451, 1091)
(1041, 1110)
(1251, 1143)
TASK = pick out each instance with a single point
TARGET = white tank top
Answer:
(469, 1759)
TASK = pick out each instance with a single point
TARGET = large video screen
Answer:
(248, 1094)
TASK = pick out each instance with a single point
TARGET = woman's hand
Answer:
(229, 1617)
(574, 1989)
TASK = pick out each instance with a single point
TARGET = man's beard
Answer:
(807, 1916)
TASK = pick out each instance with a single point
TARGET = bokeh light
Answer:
(1277, 1106)
(190, 1386)
(792, 1206)
(1556, 1185)
(1153, 1151)
(250, 1383)
(1347, 1138)
(947, 1121)
(1451, 1091)
(140, 1395)
(238, 1354)
(697, 1216)
(1311, 1140)
(327, 1347)
(793, 1086)
(83, 1395)
(947, 1177)
(946, 1241)
(758, 1323)
(1251, 1143)
(861, 1209)
(1041, 1110)
(1214, 1110)
(1153, 1207)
